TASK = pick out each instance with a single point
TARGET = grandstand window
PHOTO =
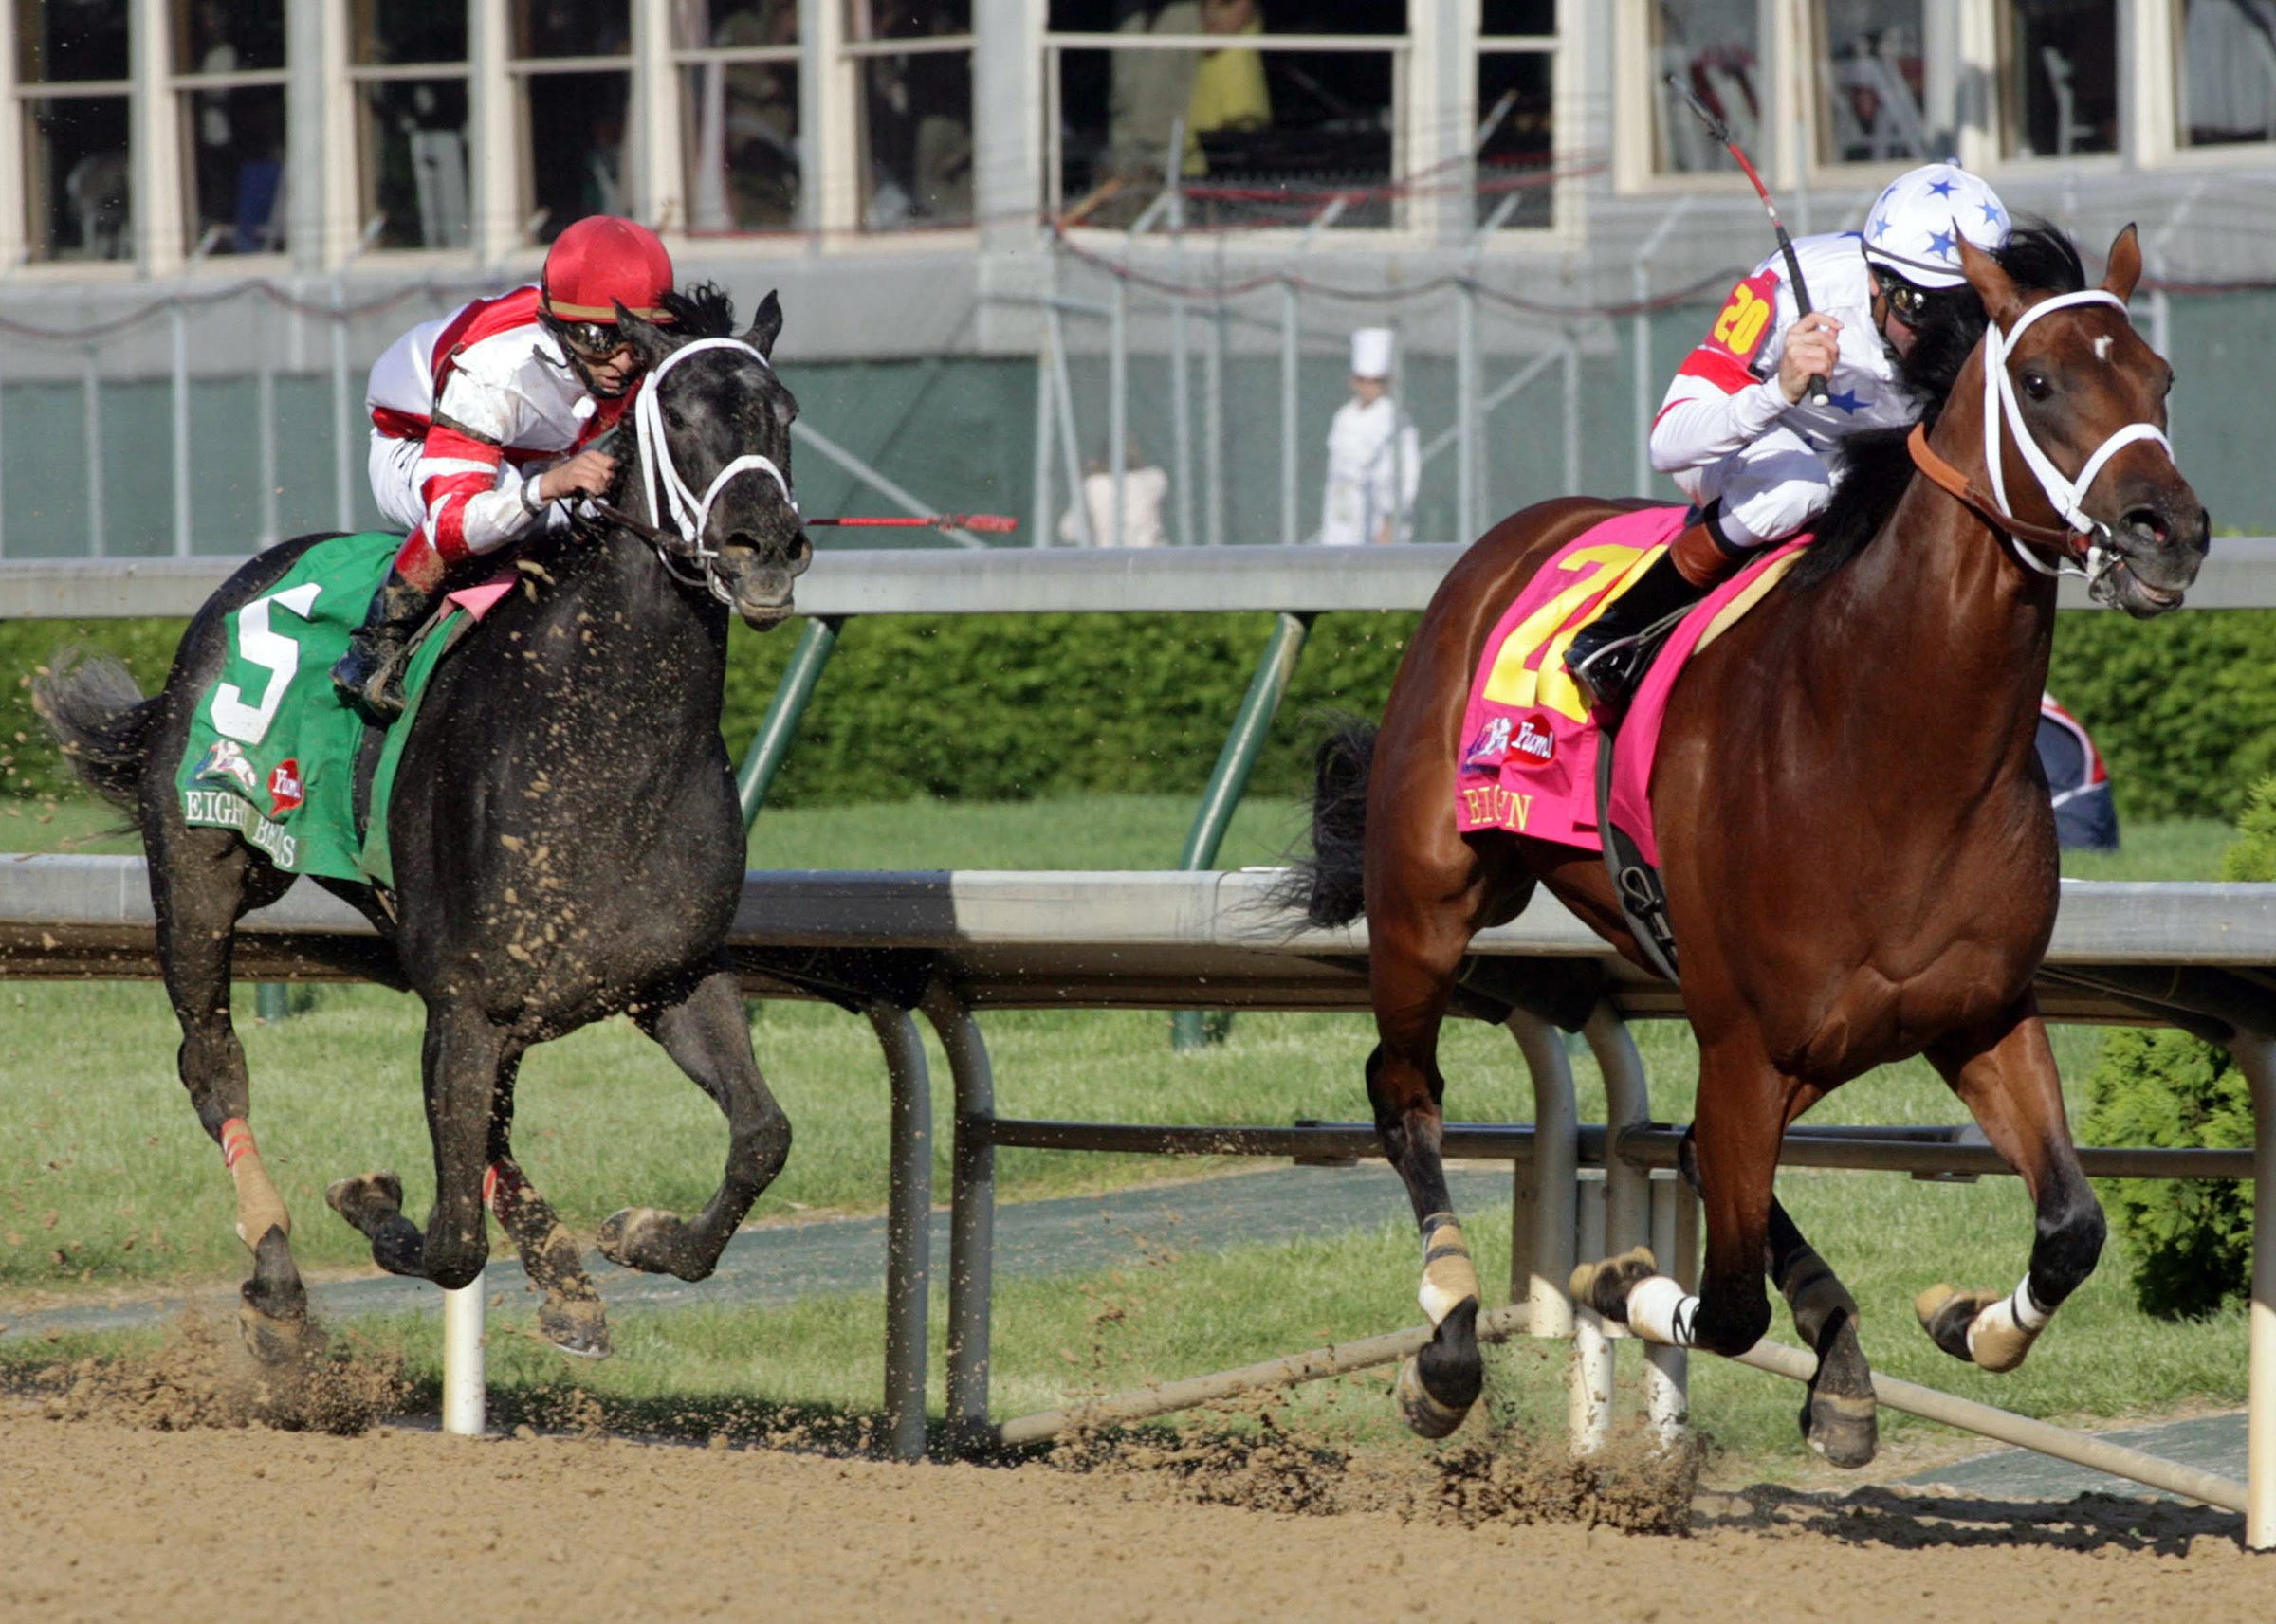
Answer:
(572, 63)
(1872, 79)
(912, 65)
(73, 96)
(406, 59)
(1715, 48)
(2059, 74)
(1516, 84)
(1301, 123)
(2227, 84)
(738, 113)
(229, 84)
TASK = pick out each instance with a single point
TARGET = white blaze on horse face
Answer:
(2101, 347)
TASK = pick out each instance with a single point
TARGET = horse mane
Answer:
(701, 311)
(2041, 260)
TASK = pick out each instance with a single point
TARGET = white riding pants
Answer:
(1769, 489)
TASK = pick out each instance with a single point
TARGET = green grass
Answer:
(112, 1185)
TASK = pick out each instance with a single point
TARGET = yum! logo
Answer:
(284, 787)
(1535, 741)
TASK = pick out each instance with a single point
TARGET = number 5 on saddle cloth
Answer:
(1535, 761)
(274, 751)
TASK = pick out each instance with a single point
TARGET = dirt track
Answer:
(102, 1521)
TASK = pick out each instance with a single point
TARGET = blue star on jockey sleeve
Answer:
(1849, 401)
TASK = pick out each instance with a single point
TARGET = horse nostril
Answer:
(2147, 523)
(800, 552)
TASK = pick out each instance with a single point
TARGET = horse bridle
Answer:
(677, 532)
(2080, 549)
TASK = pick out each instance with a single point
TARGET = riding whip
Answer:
(997, 523)
(1718, 130)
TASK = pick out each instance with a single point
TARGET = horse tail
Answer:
(100, 722)
(1327, 885)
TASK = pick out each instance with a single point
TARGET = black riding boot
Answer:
(1608, 655)
(369, 674)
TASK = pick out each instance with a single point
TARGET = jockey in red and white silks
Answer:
(481, 421)
(1740, 428)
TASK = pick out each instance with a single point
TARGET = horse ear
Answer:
(1991, 281)
(2124, 269)
(765, 326)
(649, 342)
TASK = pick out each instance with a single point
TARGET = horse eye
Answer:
(2036, 386)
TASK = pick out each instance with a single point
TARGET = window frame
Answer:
(1564, 60)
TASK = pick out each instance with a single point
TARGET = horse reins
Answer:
(2094, 560)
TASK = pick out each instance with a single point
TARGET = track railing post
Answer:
(971, 1218)
(1629, 1204)
(1542, 1276)
(1236, 761)
(907, 1230)
(771, 744)
(466, 1405)
(1589, 1415)
(2256, 1057)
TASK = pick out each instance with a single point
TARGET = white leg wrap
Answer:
(1449, 1277)
(1662, 1311)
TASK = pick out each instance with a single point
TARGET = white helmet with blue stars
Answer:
(1915, 224)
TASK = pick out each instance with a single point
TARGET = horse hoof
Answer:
(1605, 1286)
(1845, 1431)
(1424, 1415)
(367, 1201)
(276, 1339)
(648, 1239)
(578, 1329)
(1946, 1314)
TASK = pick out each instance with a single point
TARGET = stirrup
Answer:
(370, 678)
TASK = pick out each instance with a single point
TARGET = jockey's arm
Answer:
(475, 502)
(1732, 389)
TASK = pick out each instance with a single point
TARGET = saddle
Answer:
(1537, 761)
(274, 753)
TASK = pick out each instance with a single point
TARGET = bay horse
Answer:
(565, 831)
(1857, 841)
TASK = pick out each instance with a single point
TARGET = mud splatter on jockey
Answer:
(483, 426)
(1737, 429)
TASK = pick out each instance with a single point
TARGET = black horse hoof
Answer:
(1605, 1286)
(1439, 1383)
(366, 1202)
(578, 1329)
(650, 1240)
(1845, 1431)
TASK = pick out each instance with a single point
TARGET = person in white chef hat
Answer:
(1374, 459)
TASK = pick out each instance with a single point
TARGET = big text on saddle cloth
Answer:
(1529, 743)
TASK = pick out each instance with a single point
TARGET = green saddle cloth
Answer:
(273, 746)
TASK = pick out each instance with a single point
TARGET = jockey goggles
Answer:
(1910, 303)
(588, 340)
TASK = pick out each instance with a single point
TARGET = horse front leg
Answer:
(464, 1057)
(1741, 1122)
(708, 1036)
(2005, 1074)
(1412, 959)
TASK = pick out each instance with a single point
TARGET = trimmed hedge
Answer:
(2190, 1240)
(1013, 706)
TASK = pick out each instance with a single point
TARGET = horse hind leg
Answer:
(1440, 1384)
(2005, 1076)
(570, 1315)
(709, 1037)
(205, 880)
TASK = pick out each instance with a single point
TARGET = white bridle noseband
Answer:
(2066, 493)
(682, 512)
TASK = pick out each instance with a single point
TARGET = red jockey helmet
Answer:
(599, 263)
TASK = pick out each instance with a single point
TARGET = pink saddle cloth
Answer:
(1529, 743)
